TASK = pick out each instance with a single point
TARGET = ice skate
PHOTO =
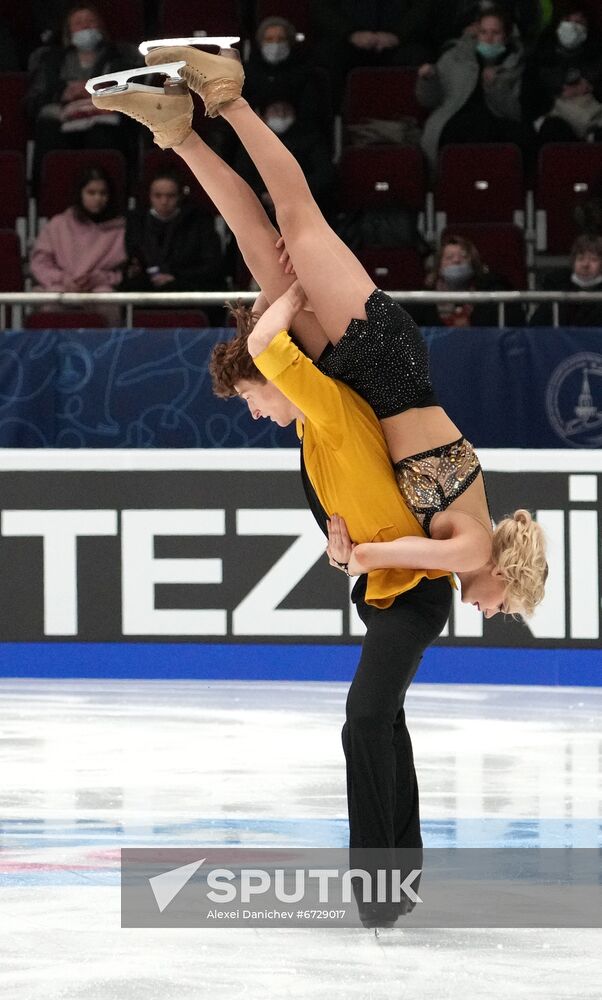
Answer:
(166, 111)
(218, 79)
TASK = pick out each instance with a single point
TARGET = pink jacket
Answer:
(67, 249)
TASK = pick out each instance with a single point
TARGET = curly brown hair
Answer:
(230, 360)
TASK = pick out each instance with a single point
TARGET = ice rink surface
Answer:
(89, 767)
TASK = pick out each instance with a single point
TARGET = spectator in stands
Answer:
(584, 275)
(83, 248)
(354, 33)
(307, 146)
(528, 16)
(563, 79)
(475, 89)
(64, 115)
(172, 246)
(457, 267)
(9, 59)
(279, 69)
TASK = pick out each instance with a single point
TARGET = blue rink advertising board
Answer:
(207, 563)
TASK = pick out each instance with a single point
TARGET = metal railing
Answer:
(130, 300)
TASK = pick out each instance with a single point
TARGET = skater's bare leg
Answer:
(335, 282)
(254, 233)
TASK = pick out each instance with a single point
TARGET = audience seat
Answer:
(181, 18)
(569, 174)
(394, 268)
(387, 93)
(480, 182)
(167, 318)
(295, 11)
(11, 274)
(125, 20)
(72, 320)
(13, 120)
(501, 247)
(61, 169)
(11, 269)
(13, 204)
(379, 176)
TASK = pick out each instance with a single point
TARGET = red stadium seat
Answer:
(13, 204)
(568, 175)
(64, 321)
(180, 18)
(386, 93)
(483, 182)
(295, 11)
(393, 268)
(61, 169)
(19, 18)
(13, 120)
(11, 269)
(159, 159)
(167, 318)
(501, 247)
(376, 176)
(125, 21)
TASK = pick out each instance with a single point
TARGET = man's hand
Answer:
(363, 39)
(158, 280)
(284, 258)
(385, 40)
(340, 547)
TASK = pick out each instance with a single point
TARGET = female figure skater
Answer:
(357, 334)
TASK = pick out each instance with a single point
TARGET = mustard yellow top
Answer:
(347, 461)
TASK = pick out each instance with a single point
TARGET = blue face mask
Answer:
(490, 50)
(86, 39)
(457, 275)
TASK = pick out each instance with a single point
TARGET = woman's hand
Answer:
(340, 547)
(284, 258)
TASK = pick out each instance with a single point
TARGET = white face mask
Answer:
(586, 282)
(279, 123)
(86, 39)
(457, 275)
(571, 34)
(275, 52)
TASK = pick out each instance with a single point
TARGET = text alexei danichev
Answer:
(250, 914)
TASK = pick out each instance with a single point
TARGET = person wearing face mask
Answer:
(308, 147)
(458, 267)
(565, 67)
(583, 275)
(279, 69)
(171, 245)
(475, 89)
(63, 114)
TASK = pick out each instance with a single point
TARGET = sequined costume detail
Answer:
(431, 480)
(383, 358)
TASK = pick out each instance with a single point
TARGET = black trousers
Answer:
(382, 791)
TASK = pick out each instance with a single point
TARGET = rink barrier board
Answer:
(269, 662)
(206, 563)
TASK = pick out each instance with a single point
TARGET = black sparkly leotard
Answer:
(383, 358)
(431, 480)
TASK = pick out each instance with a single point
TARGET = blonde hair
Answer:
(519, 552)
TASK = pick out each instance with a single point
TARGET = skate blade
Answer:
(223, 42)
(119, 82)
